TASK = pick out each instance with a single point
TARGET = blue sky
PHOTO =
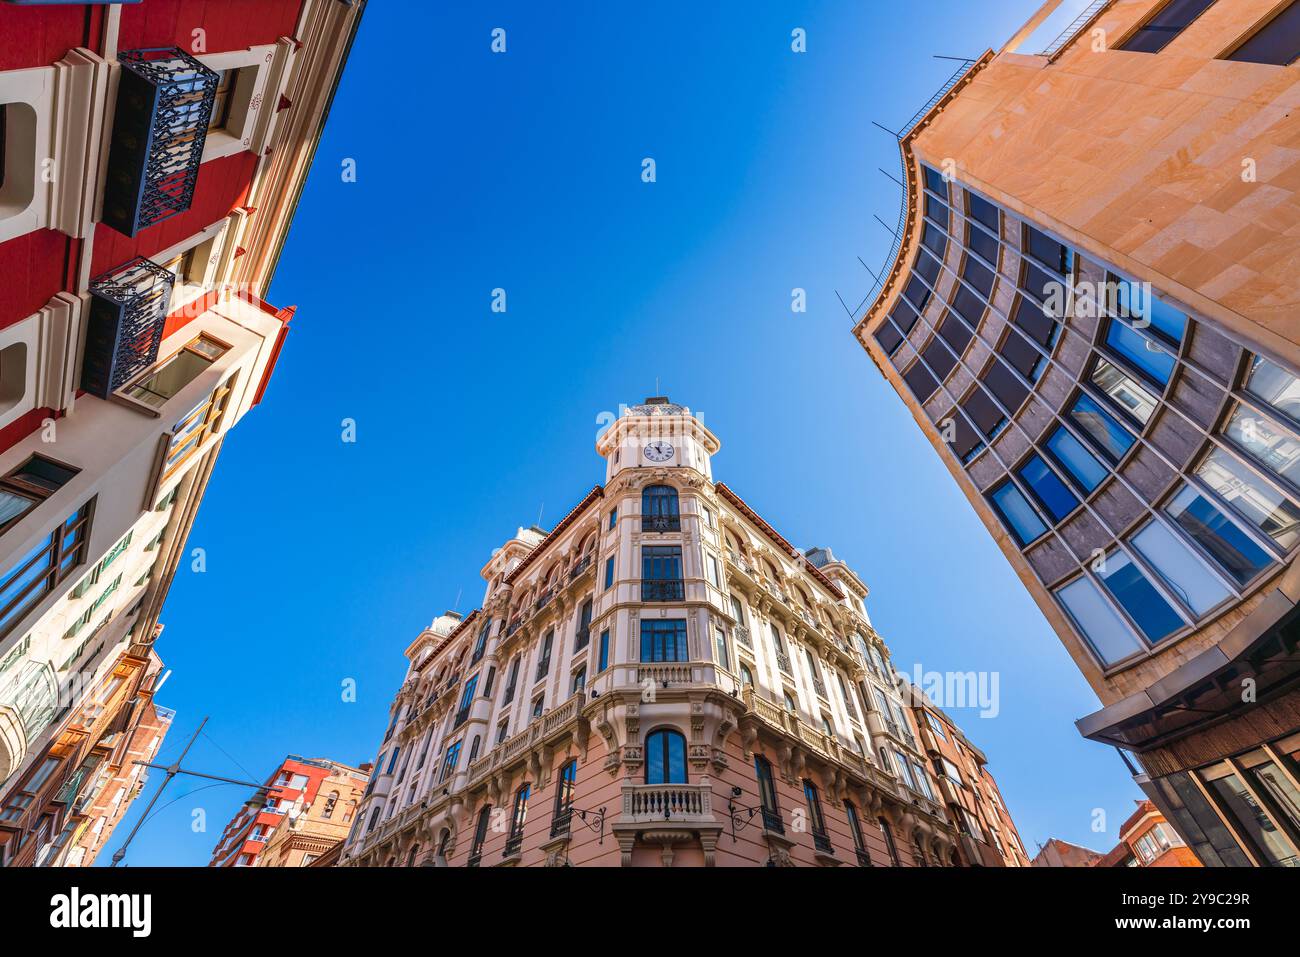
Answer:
(522, 171)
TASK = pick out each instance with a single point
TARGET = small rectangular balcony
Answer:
(128, 308)
(822, 842)
(663, 590)
(661, 523)
(164, 104)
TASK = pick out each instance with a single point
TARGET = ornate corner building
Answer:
(151, 157)
(1091, 315)
(663, 680)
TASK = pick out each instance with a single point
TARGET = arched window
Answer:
(410, 858)
(330, 801)
(789, 702)
(665, 757)
(474, 747)
(659, 512)
(746, 676)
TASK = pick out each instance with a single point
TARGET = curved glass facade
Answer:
(1146, 466)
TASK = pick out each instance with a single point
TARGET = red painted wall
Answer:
(23, 426)
(39, 36)
(223, 185)
(230, 24)
(33, 267)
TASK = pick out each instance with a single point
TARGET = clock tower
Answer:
(659, 434)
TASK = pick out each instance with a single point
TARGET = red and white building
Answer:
(309, 807)
(152, 156)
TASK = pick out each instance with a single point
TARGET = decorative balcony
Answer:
(742, 635)
(578, 569)
(822, 842)
(663, 590)
(820, 687)
(783, 662)
(544, 599)
(127, 310)
(661, 523)
(655, 803)
(164, 104)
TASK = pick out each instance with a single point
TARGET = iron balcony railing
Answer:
(561, 822)
(579, 568)
(864, 859)
(783, 662)
(772, 821)
(663, 591)
(742, 635)
(661, 523)
(128, 307)
(822, 842)
(1077, 26)
(901, 226)
(513, 843)
(165, 100)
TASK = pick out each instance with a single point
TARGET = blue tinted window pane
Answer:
(1017, 514)
(1146, 606)
(1051, 491)
(1141, 353)
(1077, 460)
(1227, 544)
(1108, 634)
(1107, 434)
(1137, 300)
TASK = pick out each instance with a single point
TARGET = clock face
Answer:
(658, 451)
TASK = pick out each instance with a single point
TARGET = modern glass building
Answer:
(1091, 315)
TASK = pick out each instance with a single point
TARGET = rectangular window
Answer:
(1274, 386)
(512, 681)
(767, 795)
(1024, 358)
(566, 780)
(1252, 497)
(1032, 319)
(1107, 436)
(1004, 385)
(609, 572)
(1165, 24)
(663, 639)
(1099, 623)
(1053, 494)
(1181, 570)
(196, 428)
(579, 683)
(1253, 821)
(720, 645)
(1017, 514)
(449, 762)
(176, 372)
(920, 381)
(661, 573)
(1076, 460)
(28, 485)
(1234, 551)
(711, 569)
(517, 819)
(466, 700)
(49, 562)
(1053, 254)
(984, 212)
(544, 662)
(988, 418)
(1140, 351)
(602, 654)
(904, 769)
(1278, 43)
(1130, 396)
(613, 517)
(1131, 588)
(815, 819)
(1268, 443)
(1136, 300)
